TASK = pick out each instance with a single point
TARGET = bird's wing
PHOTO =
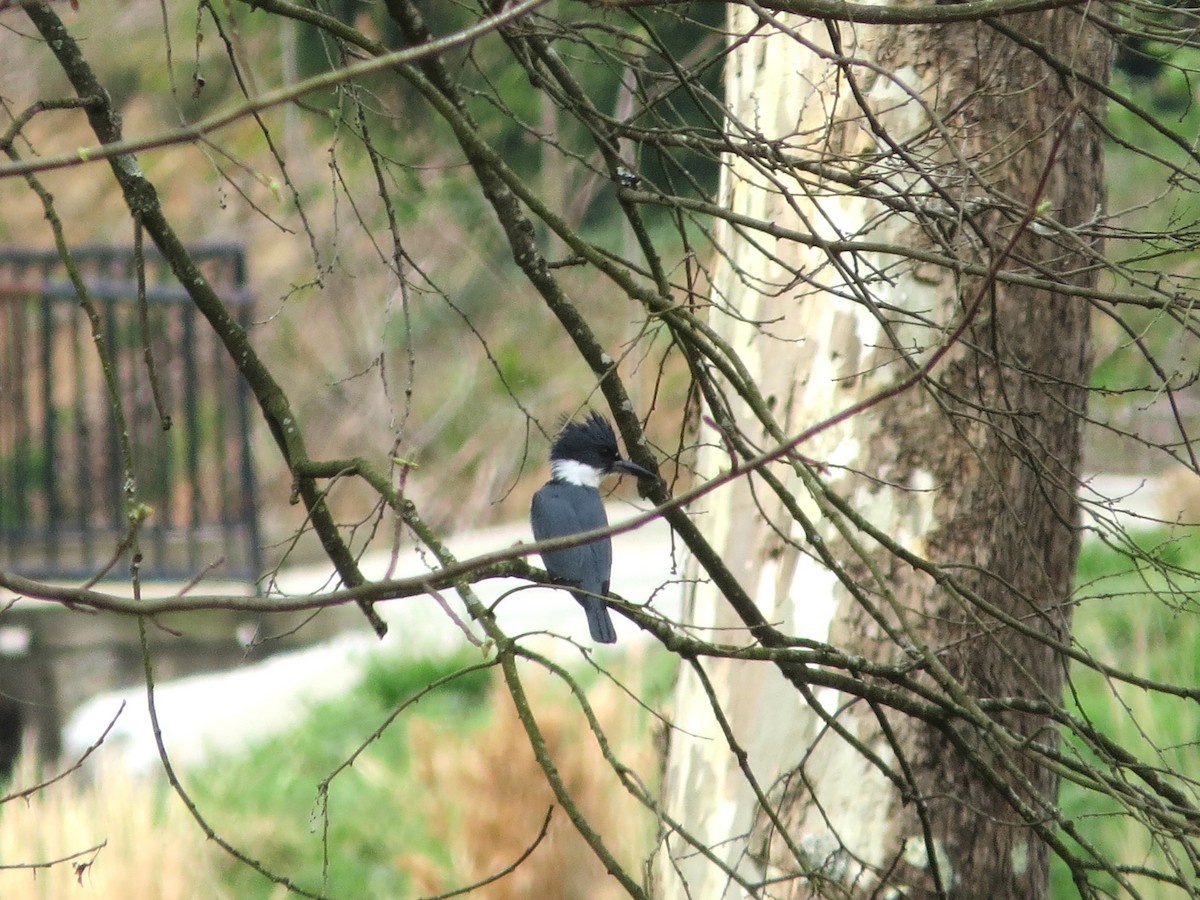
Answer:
(559, 510)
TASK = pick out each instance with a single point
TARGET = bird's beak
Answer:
(625, 465)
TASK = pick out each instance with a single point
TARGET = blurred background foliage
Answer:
(435, 363)
(431, 370)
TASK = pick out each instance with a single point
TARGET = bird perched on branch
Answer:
(582, 454)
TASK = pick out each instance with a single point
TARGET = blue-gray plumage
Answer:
(582, 454)
(559, 509)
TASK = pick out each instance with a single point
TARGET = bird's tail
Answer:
(600, 623)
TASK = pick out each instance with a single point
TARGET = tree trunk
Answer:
(974, 469)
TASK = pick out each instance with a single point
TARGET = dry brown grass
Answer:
(152, 848)
(500, 797)
(472, 798)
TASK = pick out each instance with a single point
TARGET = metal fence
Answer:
(62, 511)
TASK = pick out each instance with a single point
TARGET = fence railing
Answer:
(62, 509)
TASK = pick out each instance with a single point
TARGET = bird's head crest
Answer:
(590, 440)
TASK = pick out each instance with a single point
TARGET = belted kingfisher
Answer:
(582, 454)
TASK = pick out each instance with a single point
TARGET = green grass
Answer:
(266, 803)
(1138, 612)
(388, 814)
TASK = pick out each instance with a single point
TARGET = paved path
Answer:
(224, 712)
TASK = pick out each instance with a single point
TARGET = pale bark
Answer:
(977, 470)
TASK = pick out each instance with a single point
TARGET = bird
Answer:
(582, 454)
